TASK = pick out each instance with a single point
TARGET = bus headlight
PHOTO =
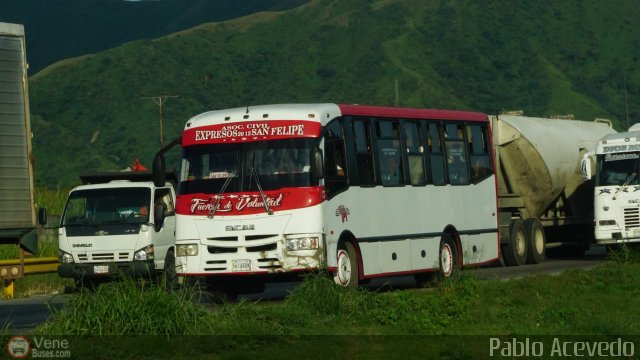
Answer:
(187, 250)
(301, 243)
(144, 254)
(65, 258)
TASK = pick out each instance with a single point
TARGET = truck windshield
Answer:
(107, 206)
(278, 163)
(616, 169)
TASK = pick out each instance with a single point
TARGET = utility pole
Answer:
(160, 99)
(626, 104)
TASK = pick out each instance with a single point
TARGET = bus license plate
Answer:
(101, 269)
(241, 265)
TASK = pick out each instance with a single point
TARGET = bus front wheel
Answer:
(347, 273)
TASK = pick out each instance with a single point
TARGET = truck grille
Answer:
(631, 218)
(104, 257)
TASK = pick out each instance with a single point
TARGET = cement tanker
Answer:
(543, 201)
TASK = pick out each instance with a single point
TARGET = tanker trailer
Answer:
(543, 201)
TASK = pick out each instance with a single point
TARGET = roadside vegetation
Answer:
(576, 302)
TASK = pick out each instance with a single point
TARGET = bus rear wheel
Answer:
(347, 261)
(448, 263)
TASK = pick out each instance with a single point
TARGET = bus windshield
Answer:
(617, 169)
(277, 164)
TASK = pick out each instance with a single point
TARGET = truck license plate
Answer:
(241, 265)
(101, 269)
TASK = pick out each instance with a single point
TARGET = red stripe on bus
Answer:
(431, 114)
(247, 203)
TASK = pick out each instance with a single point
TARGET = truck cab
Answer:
(117, 224)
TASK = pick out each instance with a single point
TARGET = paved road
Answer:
(22, 315)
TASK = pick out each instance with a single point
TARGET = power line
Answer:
(160, 99)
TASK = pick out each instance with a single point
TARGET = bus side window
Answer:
(457, 168)
(415, 152)
(334, 159)
(436, 157)
(364, 158)
(480, 152)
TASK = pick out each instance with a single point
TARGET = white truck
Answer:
(118, 224)
(617, 189)
(17, 205)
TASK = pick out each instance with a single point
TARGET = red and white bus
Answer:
(363, 191)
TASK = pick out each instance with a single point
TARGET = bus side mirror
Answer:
(585, 167)
(159, 174)
(317, 164)
(158, 216)
(42, 216)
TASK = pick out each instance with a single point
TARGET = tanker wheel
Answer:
(514, 251)
(448, 262)
(536, 242)
(347, 260)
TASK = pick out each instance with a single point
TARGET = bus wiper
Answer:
(254, 173)
(623, 185)
(212, 212)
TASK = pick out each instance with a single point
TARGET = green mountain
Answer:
(545, 57)
(60, 29)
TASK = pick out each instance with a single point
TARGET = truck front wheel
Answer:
(169, 278)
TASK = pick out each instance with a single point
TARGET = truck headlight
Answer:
(144, 254)
(301, 243)
(65, 258)
(187, 250)
(606, 222)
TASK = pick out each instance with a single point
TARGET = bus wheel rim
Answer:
(344, 268)
(446, 258)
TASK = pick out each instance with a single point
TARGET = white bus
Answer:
(362, 191)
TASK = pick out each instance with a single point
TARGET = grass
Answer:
(51, 199)
(576, 302)
(318, 319)
(453, 319)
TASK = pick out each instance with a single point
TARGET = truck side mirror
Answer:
(158, 216)
(159, 174)
(42, 216)
(317, 164)
(585, 167)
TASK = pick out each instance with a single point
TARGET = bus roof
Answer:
(323, 113)
(411, 113)
(282, 121)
